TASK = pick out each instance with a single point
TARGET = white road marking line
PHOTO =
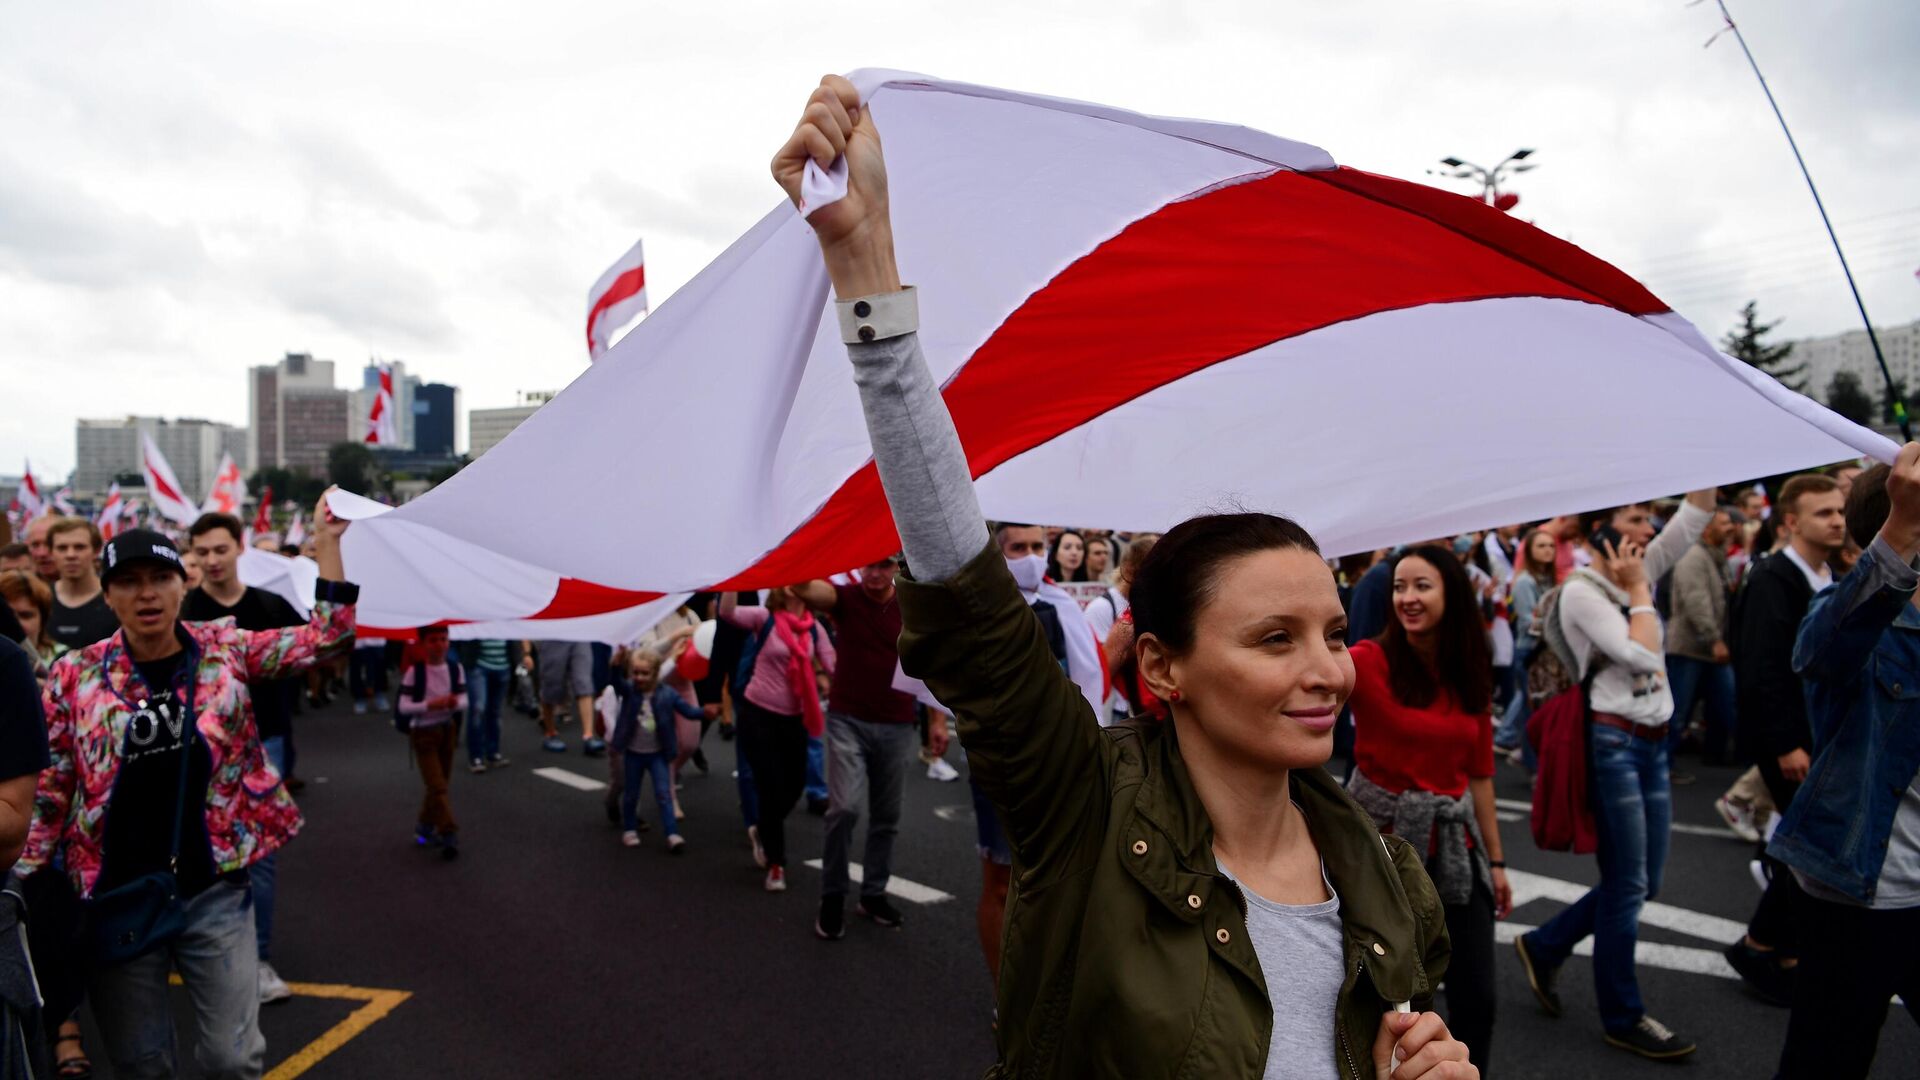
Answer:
(910, 891)
(1528, 887)
(1524, 809)
(1645, 953)
(570, 778)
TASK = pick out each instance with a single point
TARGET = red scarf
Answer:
(797, 632)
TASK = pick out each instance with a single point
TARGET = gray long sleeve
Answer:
(923, 468)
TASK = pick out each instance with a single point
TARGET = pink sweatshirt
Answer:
(768, 687)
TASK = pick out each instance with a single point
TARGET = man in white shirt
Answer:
(1606, 613)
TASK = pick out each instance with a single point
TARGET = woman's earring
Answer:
(1176, 695)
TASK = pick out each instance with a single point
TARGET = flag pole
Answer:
(1893, 395)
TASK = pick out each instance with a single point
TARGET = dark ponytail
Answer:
(1180, 574)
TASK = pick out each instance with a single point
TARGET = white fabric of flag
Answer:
(229, 488)
(1133, 319)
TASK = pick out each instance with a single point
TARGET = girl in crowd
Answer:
(664, 641)
(1068, 559)
(646, 737)
(1531, 579)
(779, 710)
(1423, 764)
(32, 603)
(1196, 897)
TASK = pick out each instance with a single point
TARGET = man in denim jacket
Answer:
(1852, 835)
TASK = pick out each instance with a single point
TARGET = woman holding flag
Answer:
(1195, 897)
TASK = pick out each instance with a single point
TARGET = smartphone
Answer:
(1605, 537)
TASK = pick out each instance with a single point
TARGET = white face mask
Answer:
(1028, 571)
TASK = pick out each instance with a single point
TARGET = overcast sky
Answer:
(190, 189)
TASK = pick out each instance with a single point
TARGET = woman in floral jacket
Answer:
(127, 718)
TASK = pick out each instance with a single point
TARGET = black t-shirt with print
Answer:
(23, 727)
(79, 627)
(139, 826)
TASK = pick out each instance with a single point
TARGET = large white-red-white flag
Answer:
(229, 489)
(1178, 316)
(618, 298)
(381, 430)
(163, 489)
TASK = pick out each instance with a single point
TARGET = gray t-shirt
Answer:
(646, 735)
(1302, 951)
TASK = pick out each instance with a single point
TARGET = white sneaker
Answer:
(940, 770)
(630, 838)
(1759, 873)
(759, 853)
(1739, 818)
(272, 987)
(776, 879)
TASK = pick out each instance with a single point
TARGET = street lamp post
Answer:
(1489, 179)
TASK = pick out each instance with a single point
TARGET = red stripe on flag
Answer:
(1202, 281)
(626, 285)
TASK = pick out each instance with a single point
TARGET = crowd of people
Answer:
(1234, 801)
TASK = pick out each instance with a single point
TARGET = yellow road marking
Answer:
(378, 1003)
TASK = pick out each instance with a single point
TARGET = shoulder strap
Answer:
(418, 691)
(190, 729)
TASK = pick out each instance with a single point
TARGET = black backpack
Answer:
(456, 683)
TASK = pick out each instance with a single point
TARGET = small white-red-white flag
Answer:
(63, 501)
(380, 426)
(297, 529)
(108, 519)
(26, 497)
(229, 489)
(163, 489)
(618, 298)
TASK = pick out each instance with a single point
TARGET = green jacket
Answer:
(1125, 951)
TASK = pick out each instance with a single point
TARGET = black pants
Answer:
(1774, 920)
(776, 750)
(1852, 960)
(1469, 979)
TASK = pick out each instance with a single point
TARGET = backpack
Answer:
(750, 652)
(456, 683)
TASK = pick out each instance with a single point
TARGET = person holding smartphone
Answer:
(1606, 612)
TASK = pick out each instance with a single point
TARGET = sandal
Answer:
(75, 1066)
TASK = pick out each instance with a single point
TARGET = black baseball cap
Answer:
(138, 546)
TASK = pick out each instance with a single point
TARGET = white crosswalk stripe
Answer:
(910, 891)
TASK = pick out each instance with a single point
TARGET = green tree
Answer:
(1887, 413)
(351, 465)
(302, 489)
(1846, 396)
(1746, 342)
(447, 472)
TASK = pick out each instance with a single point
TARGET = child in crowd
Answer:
(645, 737)
(433, 700)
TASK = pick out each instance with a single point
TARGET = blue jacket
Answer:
(666, 702)
(1859, 653)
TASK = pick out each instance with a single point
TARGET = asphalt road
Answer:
(548, 950)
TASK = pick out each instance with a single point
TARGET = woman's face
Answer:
(1071, 552)
(29, 616)
(1268, 669)
(1099, 556)
(1541, 549)
(1419, 598)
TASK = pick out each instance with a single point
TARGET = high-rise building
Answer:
(486, 427)
(296, 414)
(1851, 351)
(107, 449)
(436, 416)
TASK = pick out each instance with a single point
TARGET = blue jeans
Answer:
(486, 693)
(638, 767)
(1512, 729)
(261, 875)
(1634, 811)
(1713, 684)
(817, 769)
(215, 958)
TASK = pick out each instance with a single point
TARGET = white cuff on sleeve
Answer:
(867, 319)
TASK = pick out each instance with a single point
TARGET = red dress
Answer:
(1438, 748)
